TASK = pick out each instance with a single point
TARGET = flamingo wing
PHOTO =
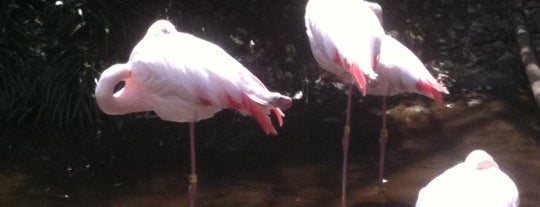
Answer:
(344, 36)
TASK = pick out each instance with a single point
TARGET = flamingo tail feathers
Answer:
(279, 115)
(358, 77)
(259, 113)
(433, 90)
(353, 69)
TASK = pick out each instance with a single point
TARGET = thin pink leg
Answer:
(346, 137)
(382, 141)
(192, 190)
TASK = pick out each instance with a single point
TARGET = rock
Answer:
(499, 44)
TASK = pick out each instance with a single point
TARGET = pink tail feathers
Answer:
(433, 89)
(353, 69)
(258, 112)
(359, 77)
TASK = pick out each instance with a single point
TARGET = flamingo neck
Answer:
(121, 102)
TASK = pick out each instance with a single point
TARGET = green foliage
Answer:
(49, 55)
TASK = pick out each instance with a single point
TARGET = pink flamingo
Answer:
(350, 52)
(400, 71)
(345, 38)
(185, 79)
(476, 182)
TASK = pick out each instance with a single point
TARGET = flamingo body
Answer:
(400, 71)
(185, 79)
(345, 37)
(476, 182)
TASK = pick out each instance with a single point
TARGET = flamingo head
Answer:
(160, 28)
(480, 160)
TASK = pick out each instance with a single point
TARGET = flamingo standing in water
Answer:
(400, 71)
(348, 41)
(476, 182)
(345, 38)
(186, 79)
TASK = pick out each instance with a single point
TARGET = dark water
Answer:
(146, 163)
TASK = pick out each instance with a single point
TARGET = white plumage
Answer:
(185, 79)
(477, 182)
(345, 38)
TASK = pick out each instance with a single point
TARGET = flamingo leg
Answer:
(192, 190)
(346, 137)
(382, 141)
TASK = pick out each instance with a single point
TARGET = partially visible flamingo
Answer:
(345, 39)
(185, 79)
(400, 71)
(476, 182)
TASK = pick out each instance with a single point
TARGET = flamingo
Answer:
(344, 36)
(477, 181)
(186, 79)
(400, 71)
(348, 41)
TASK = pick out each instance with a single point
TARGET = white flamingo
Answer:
(185, 79)
(476, 182)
